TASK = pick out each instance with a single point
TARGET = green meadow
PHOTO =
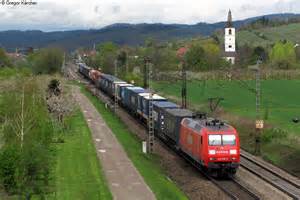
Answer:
(280, 104)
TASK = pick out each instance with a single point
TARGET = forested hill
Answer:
(129, 34)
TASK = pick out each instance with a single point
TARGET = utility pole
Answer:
(63, 69)
(115, 87)
(151, 137)
(127, 64)
(146, 60)
(183, 89)
(259, 124)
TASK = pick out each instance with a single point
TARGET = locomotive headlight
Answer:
(233, 151)
(212, 152)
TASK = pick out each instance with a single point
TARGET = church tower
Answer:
(230, 50)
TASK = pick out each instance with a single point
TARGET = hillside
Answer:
(267, 36)
(129, 34)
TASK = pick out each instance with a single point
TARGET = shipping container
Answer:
(145, 100)
(102, 84)
(107, 84)
(120, 89)
(140, 103)
(170, 123)
(84, 70)
(158, 108)
(131, 97)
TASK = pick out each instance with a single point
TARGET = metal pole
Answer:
(115, 88)
(150, 119)
(258, 104)
(184, 88)
(63, 68)
(145, 73)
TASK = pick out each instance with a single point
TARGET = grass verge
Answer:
(147, 165)
(280, 104)
(78, 171)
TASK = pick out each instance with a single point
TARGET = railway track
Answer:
(235, 189)
(231, 187)
(289, 186)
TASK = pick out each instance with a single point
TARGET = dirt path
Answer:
(124, 180)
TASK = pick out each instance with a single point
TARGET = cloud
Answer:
(51, 15)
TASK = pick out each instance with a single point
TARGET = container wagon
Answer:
(130, 100)
(170, 123)
(158, 108)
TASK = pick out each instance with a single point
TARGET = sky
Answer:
(57, 15)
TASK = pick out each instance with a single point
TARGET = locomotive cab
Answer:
(223, 153)
(213, 144)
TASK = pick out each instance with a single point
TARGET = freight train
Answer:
(209, 143)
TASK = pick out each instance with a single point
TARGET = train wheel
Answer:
(232, 172)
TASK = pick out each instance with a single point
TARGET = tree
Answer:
(4, 60)
(25, 156)
(245, 54)
(298, 53)
(283, 55)
(47, 61)
(215, 36)
(122, 57)
(259, 53)
(107, 56)
(195, 57)
(212, 55)
(106, 47)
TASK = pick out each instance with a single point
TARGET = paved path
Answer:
(124, 180)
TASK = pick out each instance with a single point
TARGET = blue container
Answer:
(131, 97)
(103, 83)
(158, 108)
(84, 70)
(140, 103)
(107, 84)
(120, 90)
(145, 103)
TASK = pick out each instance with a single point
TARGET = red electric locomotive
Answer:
(211, 143)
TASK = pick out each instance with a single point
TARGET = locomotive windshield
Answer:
(214, 140)
(217, 140)
(228, 139)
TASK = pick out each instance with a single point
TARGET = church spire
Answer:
(229, 20)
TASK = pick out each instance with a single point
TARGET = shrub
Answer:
(47, 61)
(283, 55)
(271, 134)
(9, 159)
